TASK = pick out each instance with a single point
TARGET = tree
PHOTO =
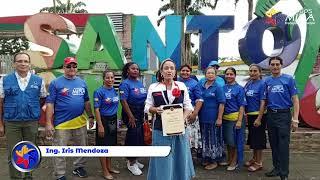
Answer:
(67, 7)
(250, 9)
(183, 8)
(195, 58)
(14, 45)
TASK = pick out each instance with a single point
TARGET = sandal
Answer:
(114, 171)
(250, 163)
(108, 177)
(223, 163)
(255, 167)
(205, 164)
(211, 166)
(232, 168)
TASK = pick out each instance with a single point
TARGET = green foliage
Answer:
(68, 7)
(14, 45)
(190, 8)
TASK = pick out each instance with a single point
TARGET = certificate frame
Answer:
(172, 120)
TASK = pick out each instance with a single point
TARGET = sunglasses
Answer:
(69, 66)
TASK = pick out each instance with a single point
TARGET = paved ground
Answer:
(303, 166)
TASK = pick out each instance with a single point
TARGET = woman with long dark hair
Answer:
(132, 97)
(106, 103)
(178, 164)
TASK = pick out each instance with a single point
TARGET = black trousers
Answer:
(279, 126)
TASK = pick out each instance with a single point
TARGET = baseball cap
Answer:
(69, 60)
(214, 63)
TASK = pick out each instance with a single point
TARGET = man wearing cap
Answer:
(68, 99)
(220, 81)
(21, 94)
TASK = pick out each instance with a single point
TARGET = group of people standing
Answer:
(214, 110)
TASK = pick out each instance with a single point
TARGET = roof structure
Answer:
(14, 26)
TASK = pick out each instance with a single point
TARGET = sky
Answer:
(228, 41)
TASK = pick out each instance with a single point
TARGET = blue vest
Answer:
(21, 105)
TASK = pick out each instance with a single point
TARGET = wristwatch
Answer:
(91, 117)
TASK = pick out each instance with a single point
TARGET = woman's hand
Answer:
(100, 131)
(156, 110)
(238, 124)
(257, 123)
(132, 122)
(219, 122)
(191, 118)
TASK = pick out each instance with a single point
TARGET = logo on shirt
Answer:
(136, 91)
(108, 100)
(212, 94)
(277, 89)
(64, 92)
(115, 99)
(78, 91)
(250, 92)
(34, 85)
(143, 90)
(228, 94)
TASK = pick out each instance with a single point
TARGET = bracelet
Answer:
(295, 120)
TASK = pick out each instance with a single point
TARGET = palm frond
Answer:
(162, 18)
(59, 2)
(164, 8)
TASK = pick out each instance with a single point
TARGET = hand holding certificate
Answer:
(172, 119)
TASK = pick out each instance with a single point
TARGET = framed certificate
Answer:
(172, 120)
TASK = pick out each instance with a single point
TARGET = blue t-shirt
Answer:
(133, 92)
(235, 98)
(68, 97)
(219, 80)
(193, 89)
(279, 91)
(107, 100)
(255, 92)
(212, 97)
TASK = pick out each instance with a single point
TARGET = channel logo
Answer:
(25, 156)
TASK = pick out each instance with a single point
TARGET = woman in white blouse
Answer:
(178, 164)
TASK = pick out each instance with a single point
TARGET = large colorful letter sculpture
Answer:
(100, 31)
(40, 29)
(286, 45)
(290, 35)
(208, 27)
(143, 33)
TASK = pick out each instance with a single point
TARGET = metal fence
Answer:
(6, 64)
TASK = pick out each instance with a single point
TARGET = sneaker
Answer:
(62, 178)
(140, 166)
(80, 172)
(134, 169)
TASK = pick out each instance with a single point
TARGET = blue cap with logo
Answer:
(214, 63)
